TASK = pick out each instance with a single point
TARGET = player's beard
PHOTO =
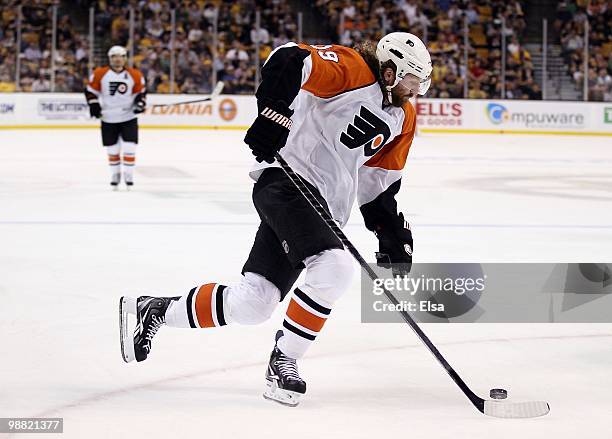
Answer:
(397, 99)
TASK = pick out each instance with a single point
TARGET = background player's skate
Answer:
(116, 178)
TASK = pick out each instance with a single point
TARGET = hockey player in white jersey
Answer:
(116, 95)
(342, 119)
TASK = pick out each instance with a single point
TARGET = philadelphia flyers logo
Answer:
(367, 130)
(117, 86)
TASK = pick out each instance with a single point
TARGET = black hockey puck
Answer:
(498, 393)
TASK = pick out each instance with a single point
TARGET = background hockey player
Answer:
(116, 94)
(344, 122)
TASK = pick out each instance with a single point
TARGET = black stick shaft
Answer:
(215, 93)
(184, 103)
(326, 216)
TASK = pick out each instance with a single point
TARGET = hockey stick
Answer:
(489, 407)
(215, 93)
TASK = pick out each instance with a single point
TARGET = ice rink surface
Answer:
(69, 247)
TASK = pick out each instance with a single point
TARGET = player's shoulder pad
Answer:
(99, 72)
(336, 69)
(138, 78)
(135, 74)
(96, 77)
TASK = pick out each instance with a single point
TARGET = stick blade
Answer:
(217, 90)
(529, 409)
(127, 307)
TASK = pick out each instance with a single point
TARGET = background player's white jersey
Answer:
(116, 92)
(342, 140)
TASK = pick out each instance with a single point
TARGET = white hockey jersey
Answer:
(116, 92)
(342, 140)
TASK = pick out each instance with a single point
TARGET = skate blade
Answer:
(115, 188)
(281, 396)
(127, 307)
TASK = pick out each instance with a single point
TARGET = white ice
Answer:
(69, 247)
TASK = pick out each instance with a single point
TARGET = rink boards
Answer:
(236, 112)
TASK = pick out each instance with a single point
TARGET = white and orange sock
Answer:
(250, 301)
(305, 317)
(328, 276)
(129, 160)
(203, 307)
(114, 161)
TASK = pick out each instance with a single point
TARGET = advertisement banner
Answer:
(230, 112)
(69, 110)
(440, 113)
(434, 116)
(475, 116)
(62, 108)
(605, 117)
(535, 115)
(8, 109)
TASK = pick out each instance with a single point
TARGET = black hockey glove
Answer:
(140, 102)
(395, 246)
(95, 110)
(269, 132)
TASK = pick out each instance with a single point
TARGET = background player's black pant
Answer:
(127, 130)
(121, 139)
(290, 230)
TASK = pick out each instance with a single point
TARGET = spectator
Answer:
(32, 53)
(61, 85)
(7, 85)
(572, 16)
(189, 86)
(472, 14)
(260, 36)
(236, 53)
(156, 29)
(41, 84)
(476, 92)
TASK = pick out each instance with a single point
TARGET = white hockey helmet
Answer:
(409, 55)
(117, 50)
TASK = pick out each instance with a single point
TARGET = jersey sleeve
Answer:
(94, 85)
(380, 177)
(139, 81)
(282, 74)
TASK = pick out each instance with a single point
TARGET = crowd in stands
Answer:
(571, 23)
(7, 46)
(232, 56)
(194, 44)
(71, 55)
(441, 24)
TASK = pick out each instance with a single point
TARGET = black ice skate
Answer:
(115, 180)
(150, 315)
(283, 379)
(129, 184)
